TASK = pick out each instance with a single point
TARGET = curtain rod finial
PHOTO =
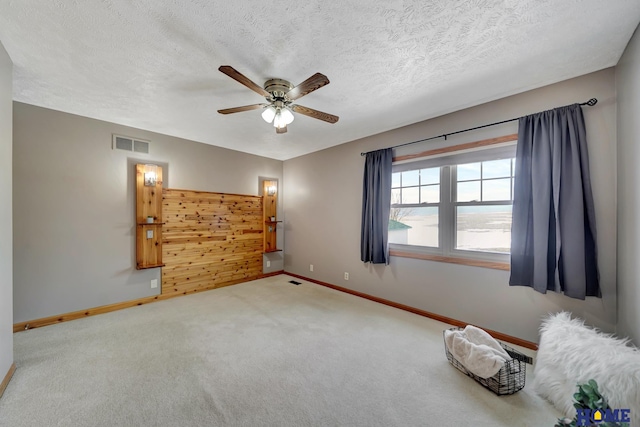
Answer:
(591, 102)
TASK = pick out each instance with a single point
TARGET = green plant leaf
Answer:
(588, 396)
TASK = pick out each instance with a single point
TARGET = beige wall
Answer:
(73, 212)
(628, 88)
(323, 205)
(74, 245)
(6, 246)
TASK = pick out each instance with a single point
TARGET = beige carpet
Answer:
(262, 353)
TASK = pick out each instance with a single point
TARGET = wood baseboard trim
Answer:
(497, 335)
(52, 320)
(7, 378)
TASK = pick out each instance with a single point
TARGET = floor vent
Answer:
(130, 144)
(294, 282)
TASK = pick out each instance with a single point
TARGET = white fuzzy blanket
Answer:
(476, 350)
(571, 353)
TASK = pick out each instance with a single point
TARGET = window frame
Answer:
(447, 226)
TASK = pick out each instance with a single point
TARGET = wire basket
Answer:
(509, 379)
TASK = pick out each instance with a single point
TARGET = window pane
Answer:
(395, 180)
(430, 176)
(468, 171)
(496, 168)
(414, 226)
(496, 189)
(483, 228)
(410, 178)
(469, 191)
(430, 194)
(410, 195)
(395, 196)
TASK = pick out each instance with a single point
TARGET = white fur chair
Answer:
(571, 353)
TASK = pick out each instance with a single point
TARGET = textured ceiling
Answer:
(153, 64)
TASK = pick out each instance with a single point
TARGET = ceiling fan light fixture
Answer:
(279, 120)
(269, 113)
(287, 116)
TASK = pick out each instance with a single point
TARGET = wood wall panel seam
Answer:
(454, 322)
(7, 378)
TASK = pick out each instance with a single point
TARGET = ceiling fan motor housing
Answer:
(277, 88)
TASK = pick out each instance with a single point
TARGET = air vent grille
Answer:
(140, 146)
(130, 144)
(124, 143)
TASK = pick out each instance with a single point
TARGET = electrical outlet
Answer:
(346, 276)
(310, 267)
(268, 263)
(154, 283)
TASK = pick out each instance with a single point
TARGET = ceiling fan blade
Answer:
(281, 130)
(330, 118)
(242, 79)
(306, 87)
(240, 109)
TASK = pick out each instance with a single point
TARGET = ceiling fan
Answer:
(280, 95)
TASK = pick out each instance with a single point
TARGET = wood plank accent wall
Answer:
(210, 239)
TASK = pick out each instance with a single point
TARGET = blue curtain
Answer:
(376, 205)
(553, 235)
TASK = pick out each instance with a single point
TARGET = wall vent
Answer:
(141, 146)
(127, 143)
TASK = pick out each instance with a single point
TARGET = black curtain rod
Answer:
(590, 103)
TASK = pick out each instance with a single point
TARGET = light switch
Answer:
(149, 234)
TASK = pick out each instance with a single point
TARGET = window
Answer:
(457, 205)
(415, 201)
(484, 198)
